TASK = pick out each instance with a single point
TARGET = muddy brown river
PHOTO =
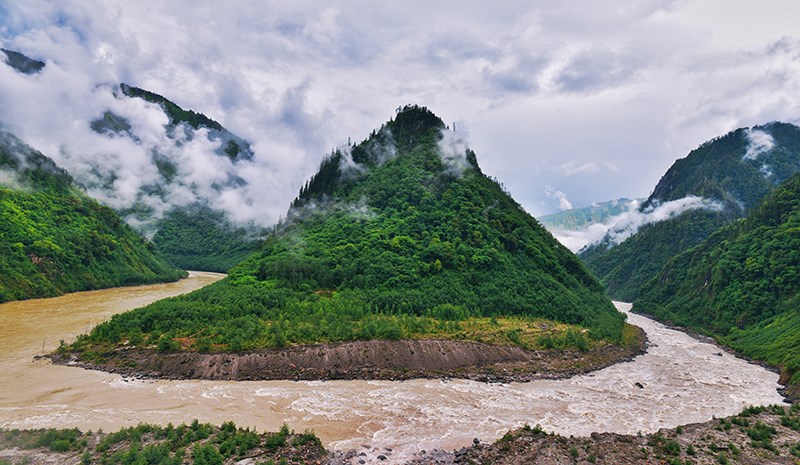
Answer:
(683, 381)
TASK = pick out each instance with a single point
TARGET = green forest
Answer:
(718, 170)
(390, 239)
(55, 239)
(199, 238)
(742, 284)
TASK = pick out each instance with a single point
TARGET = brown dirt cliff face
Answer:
(374, 359)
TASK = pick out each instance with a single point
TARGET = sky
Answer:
(565, 102)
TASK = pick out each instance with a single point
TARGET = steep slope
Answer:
(54, 239)
(186, 165)
(742, 283)
(401, 236)
(197, 237)
(725, 177)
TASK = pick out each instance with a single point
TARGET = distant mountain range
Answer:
(577, 219)
(578, 227)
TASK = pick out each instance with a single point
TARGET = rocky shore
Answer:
(364, 360)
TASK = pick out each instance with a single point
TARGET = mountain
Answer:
(717, 183)
(578, 227)
(55, 239)
(231, 145)
(742, 284)
(194, 235)
(400, 236)
(174, 202)
(576, 219)
(22, 63)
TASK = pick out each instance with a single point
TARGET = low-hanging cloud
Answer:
(758, 142)
(620, 227)
(149, 166)
(348, 168)
(453, 152)
(563, 202)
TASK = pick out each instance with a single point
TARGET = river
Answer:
(683, 381)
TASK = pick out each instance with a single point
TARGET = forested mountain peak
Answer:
(720, 181)
(411, 126)
(399, 236)
(738, 168)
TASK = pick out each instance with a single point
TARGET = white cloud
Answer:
(758, 142)
(581, 86)
(573, 167)
(563, 202)
(453, 151)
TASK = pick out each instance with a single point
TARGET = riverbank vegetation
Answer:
(401, 236)
(756, 435)
(197, 443)
(55, 239)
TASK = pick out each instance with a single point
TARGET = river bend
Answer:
(682, 381)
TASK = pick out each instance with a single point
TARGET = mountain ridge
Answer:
(728, 170)
(171, 206)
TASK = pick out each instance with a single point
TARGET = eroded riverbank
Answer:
(682, 381)
(367, 360)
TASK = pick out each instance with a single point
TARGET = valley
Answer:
(683, 381)
(403, 307)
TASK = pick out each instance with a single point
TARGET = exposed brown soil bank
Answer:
(369, 360)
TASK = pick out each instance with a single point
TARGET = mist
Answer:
(53, 111)
(453, 152)
(620, 227)
(758, 142)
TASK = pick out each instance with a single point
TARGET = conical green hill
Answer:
(399, 236)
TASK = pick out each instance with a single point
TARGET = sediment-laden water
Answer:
(682, 381)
